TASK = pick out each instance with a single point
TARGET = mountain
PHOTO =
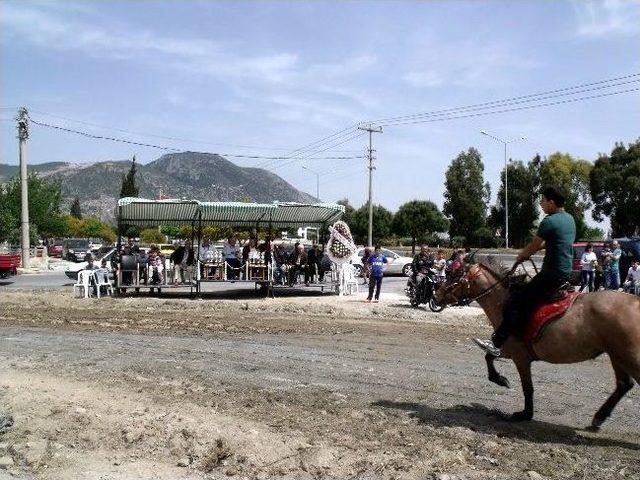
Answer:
(200, 176)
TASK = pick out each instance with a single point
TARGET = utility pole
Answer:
(23, 134)
(371, 129)
(506, 181)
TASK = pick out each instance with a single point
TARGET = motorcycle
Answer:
(422, 289)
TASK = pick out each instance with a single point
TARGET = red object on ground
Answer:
(9, 264)
(544, 314)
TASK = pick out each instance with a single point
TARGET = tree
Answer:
(129, 187)
(151, 236)
(348, 211)
(523, 205)
(44, 208)
(615, 189)
(75, 208)
(382, 220)
(571, 176)
(466, 196)
(418, 220)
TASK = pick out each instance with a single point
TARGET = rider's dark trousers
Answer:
(374, 282)
(522, 303)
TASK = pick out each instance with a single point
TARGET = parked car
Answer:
(55, 250)
(75, 249)
(630, 251)
(397, 264)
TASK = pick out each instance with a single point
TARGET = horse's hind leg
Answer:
(494, 376)
(624, 383)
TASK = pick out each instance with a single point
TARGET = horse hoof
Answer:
(523, 416)
(503, 382)
(596, 423)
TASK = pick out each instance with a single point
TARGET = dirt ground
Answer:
(295, 388)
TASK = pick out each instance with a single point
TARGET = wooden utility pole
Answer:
(371, 129)
(23, 134)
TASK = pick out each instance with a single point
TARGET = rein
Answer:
(465, 279)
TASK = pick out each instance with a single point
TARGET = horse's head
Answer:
(463, 285)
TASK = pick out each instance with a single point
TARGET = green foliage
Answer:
(75, 208)
(347, 217)
(382, 221)
(129, 187)
(571, 176)
(89, 228)
(615, 189)
(45, 219)
(151, 236)
(593, 233)
(466, 195)
(523, 206)
(419, 220)
(170, 231)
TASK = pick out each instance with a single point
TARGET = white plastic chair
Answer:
(101, 278)
(349, 280)
(83, 282)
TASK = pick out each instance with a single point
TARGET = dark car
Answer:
(630, 251)
(75, 249)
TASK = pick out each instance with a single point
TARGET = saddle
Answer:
(544, 314)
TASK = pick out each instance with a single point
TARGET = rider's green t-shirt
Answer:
(558, 231)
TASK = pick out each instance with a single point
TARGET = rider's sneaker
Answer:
(488, 346)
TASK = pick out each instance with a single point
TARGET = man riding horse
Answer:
(556, 234)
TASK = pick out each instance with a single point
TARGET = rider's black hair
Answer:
(554, 193)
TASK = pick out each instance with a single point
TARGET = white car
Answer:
(396, 263)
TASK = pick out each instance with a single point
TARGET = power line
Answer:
(525, 107)
(532, 96)
(153, 135)
(162, 147)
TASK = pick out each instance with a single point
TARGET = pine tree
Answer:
(75, 209)
(129, 187)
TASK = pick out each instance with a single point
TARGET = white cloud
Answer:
(468, 63)
(47, 30)
(608, 17)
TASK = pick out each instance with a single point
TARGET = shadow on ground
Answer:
(481, 419)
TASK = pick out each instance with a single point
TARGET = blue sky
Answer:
(266, 78)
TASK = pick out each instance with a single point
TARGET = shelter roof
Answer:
(139, 211)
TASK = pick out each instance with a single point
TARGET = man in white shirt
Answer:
(230, 253)
(632, 281)
(588, 262)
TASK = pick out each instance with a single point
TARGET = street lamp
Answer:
(506, 181)
(317, 180)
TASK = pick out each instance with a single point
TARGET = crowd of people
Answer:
(602, 272)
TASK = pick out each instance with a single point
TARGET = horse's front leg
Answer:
(523, 364)
(494, 376)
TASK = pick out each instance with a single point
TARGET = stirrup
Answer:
(488, 346)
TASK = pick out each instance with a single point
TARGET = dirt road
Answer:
(286, 388)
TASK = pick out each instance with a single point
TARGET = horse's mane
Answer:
(499, 270)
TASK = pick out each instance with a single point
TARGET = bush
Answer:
(151, 236)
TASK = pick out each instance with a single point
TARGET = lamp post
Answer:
(317, 180)
(506, 181)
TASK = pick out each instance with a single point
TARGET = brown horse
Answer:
(601, 322)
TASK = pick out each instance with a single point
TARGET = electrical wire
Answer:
(525, 107)
(162, 147)
(532, 96)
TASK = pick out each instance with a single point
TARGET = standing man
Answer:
(377, 262)
(614, 266)
(556, 234)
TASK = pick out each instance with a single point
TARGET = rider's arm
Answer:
(534, 245)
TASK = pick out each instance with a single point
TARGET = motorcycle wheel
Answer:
(414, 302)
(434, 307)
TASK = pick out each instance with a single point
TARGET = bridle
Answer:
(472, 274)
